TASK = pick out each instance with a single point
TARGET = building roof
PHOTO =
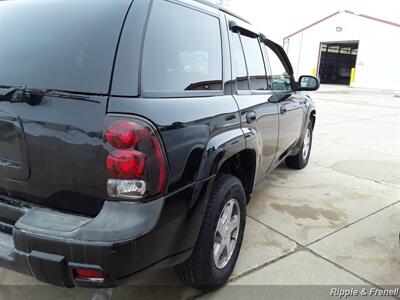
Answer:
(339, 12)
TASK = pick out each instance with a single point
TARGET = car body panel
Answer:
(62, 146)
(192, 131)
(291, 119)
(264, 130)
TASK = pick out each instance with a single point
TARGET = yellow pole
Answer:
(352, 75)
(314, 72)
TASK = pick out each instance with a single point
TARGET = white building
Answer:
(331, 47)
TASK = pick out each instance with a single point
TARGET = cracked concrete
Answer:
(334, 223)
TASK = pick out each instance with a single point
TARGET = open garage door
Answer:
(336, 61)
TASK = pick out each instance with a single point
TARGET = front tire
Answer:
(300, 161)
(217, 248)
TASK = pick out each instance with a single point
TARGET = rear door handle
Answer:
(283, 109)
(251, 117)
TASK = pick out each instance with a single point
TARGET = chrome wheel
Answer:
(306, 144)
(226, 233)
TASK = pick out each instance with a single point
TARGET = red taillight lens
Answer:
(138, 155)
(122, 134)
(127, 164)
(88, 274)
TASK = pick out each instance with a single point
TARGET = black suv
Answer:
(132, 134)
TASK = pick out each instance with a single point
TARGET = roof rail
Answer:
(222, 9)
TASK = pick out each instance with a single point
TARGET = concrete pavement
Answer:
(334, 223)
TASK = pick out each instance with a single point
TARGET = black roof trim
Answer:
(223, 10)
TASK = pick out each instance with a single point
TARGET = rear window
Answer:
(64, 45)
(182, 50)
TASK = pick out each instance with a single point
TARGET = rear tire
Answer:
(300, 160)
(212, 260)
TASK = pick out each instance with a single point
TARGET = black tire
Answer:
(297, 161)
(200, 271)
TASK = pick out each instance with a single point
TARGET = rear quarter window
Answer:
(182, 51)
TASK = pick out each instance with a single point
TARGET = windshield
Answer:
(62, 45)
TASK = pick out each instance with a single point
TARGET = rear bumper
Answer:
(48, 244)
(123, 240)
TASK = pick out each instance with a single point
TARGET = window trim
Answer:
(267, 64)
(181, 94)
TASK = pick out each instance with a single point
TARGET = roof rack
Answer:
(205, 2)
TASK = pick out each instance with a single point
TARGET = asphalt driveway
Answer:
(334, 223)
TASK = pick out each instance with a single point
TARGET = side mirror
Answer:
(308, 83)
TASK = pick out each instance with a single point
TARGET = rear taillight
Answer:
(136, 164)
(126, 164)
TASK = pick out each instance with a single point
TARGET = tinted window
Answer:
(59, 45)
(280, 80)
(240, 64)
(255, 63)
(182, 50)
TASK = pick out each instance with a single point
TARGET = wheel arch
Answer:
(227, 153)
(243, 166)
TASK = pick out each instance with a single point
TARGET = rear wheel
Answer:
(300, 160)
(218, 245)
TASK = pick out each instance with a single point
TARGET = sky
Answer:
(280, 18)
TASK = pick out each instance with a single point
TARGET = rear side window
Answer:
(242, 79)
(63, 45)
(255, 63)
(182, 51)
